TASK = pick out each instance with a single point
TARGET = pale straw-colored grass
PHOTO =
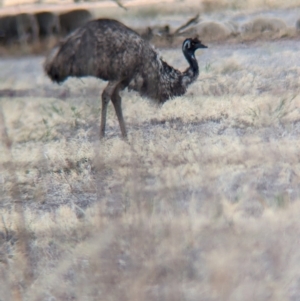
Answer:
(201, 204)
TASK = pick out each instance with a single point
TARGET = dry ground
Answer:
(201, 204)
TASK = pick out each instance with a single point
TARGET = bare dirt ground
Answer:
(201, 204)
(12, 7)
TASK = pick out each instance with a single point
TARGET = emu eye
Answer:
(187, 44)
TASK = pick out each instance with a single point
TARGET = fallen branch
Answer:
(119, 3)
(190, 22)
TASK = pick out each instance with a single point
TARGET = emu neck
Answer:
(192, 72)
(160, 82)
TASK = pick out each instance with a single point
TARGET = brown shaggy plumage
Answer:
(109, 50)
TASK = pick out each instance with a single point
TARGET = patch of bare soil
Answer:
(70, 5)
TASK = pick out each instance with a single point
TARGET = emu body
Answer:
(109, 50)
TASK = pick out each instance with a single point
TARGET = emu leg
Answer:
(117, 102)
(106, 96)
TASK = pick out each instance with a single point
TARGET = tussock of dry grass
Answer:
(266, 28)
(201, 204)
(210, 31)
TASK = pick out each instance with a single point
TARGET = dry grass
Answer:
(201, 204)
(215, 253)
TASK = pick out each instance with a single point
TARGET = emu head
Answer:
(190, 45)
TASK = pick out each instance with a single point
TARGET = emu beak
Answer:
(200, 45)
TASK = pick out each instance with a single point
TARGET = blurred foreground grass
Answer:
(216, 253)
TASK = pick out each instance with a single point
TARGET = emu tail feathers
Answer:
(53, 68)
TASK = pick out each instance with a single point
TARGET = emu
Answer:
(111, 51)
